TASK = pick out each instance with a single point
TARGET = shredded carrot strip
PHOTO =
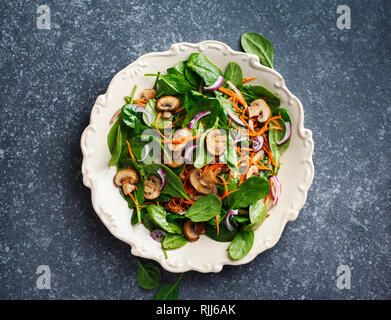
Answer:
(130, 150)
(179, 110)
(245, 80)
(172, 124)
(134, 200)
(224, 182)
(227, 194)
(181, 140)
(157, 127)
(141, 102)
(217, 223)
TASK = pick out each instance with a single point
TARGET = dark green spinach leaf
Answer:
(234, 74)
(205, 208)
(256, 44)
(204, 68)
(257, 214)
(241, 245)
(250, 191)
(148, 275)
(168, 291)
(158, 214)
(251, 93)
(173, 241)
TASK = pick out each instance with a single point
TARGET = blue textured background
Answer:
(49, 80)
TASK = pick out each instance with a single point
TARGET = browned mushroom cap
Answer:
(178, 135)
(128, 188)
(129, 175)
(252, 171)
(152, 187)
(166, 115)
(176, 210)
(192, 230)
(259, 108)
(167, 103)
(203, 182)
(216, 142)
(176, 160)
(148, 94)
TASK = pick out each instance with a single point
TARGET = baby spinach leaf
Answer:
(192, 77)
(150, 117)
(168, 291)
(251, 93)
(256, 44)
(148, 275)
(174, 186)
(250, 191)
(117, 149)
(234, 73)
(204, 68)
(224, 234)
(276, 136)
(134, 219)
(241, 245)
(230, 155)
(149, 223)
(257, 214)
(173, 216)
(178, 69)
(173, 84)
(205, 208)
(131, 118)
(112, 136)
(158, 214)
(173, 241)
(241, 219)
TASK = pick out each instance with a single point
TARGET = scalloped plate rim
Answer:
(89, 182)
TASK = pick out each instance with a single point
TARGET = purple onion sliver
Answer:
(257, 143)
(147, 150)
(236, 119)
(197, 117)
(288, 133)
(158, 235)
(216, 86)
(188, 156)
(162, 175)
(227, 223)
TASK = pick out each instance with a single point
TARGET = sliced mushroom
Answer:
(152, 187)
(148, 94)
(203, 182)
(252, 171)
(194, 195)
(128, 188)
(178, 135)
(192, 230)
(129, 175)
(167, 103)
(166, 115)
(176, 160)
(176, 210)
(216, 142)
(259, 108)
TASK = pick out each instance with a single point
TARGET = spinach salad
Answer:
(199, 154)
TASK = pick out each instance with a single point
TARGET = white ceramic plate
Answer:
(205, 255)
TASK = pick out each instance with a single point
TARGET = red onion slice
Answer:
(258, 156)
(257, 143)
(216, 86)
(275, 189)
(236, 119)
(147, 150)
(236, 90)
(158, 235)
(115, 115)
(288, 133)
(227, 223)
(188, 155)
(162, 175)
(197, 117)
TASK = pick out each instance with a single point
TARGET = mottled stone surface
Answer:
(50, 79)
